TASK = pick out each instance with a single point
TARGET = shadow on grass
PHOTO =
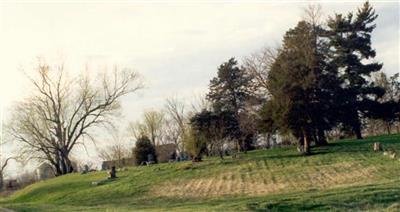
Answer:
(359, 198)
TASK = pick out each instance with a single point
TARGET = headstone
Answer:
(113, 173)
(377, 147)
(150, 158)
(300, 148)
(85, 169)
(149, 162)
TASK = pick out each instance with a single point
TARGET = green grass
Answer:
(346, 175)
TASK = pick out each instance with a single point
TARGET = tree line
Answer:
(323, 78)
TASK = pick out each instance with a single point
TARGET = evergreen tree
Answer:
(350, 40)
(294, 86)
(387, 108)
(217, 127)
(230, 91)
(143, 149)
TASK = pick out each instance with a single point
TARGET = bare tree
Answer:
(62, 112)
(199, 103)
(176, 122)
(137, 129)
(3, 166)
(173, 134)
(118, 151)
(151, 126)
(4, 160)
(258, 66)
(313, 14)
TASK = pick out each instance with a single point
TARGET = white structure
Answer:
(44, 171)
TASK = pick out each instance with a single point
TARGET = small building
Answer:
(11, 184)
(166, 152)
(44, 171)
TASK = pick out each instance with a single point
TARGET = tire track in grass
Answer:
(230, 182)
(242, 181)
(331, 173)
(219, 185)
(207, 187)
(324, 180)
(196, 187)
(266, 166)
(188, 186)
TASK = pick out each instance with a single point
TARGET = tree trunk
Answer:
(244, 145)
(315, 138)
(238, 145)
(300, 144)
(63, 164)
(321, 140)
(357, 131)
(221, 154)
(388, 128)
(1, 181)
(356, 125)
(306, 145)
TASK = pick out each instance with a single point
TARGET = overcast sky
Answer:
(175, 46)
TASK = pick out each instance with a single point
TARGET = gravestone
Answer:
(85, 169)
(377, 147)
(300, 148)
(150, 159)
(113, 173)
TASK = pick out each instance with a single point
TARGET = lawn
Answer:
(346, 175)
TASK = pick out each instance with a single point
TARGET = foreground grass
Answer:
(346, 175)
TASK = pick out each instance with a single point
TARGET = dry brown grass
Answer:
(256, 178)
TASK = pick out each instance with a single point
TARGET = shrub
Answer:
(195, 144)
(143, 149)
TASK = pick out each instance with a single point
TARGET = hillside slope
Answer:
(345, 175)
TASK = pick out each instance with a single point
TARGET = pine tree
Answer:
(350, 39)
(230, 90)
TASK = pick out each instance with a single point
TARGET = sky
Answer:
(175, 46)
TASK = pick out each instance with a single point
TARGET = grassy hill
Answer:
(346, 175)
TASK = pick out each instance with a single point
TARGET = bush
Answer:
(195, 144)
(143, 149)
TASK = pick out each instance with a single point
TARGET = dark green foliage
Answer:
(350, 40)
(214, 124)
(143, 148)
(387, 108)
(319, 79)
(216, 127)
(270, 120)
(230, 90)
(302, 88)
